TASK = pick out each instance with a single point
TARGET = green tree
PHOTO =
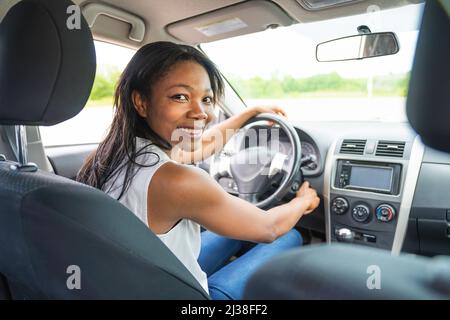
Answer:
(104, 83)
(332, 83)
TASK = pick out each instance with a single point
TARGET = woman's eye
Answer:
(180, 97)
(208, 100)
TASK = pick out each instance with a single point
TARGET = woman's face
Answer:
(180, 105)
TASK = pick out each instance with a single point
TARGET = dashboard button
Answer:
(361, 213)
(339, 206)
(385, 213)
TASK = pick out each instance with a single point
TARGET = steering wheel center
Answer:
(251, 168)
(257, 170)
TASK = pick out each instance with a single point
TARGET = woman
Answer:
(165, 98)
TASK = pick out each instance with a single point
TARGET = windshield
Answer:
(279, 66)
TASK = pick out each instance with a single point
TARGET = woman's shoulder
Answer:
(183, 191)
(166, 172)
(178, 172)
(185, 179)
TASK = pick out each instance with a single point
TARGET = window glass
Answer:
(92, 123)
(279, 67)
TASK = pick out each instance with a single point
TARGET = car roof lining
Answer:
(159, 14)
(234, 20)
(5, 5)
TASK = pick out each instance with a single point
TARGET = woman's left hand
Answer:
(268, 109)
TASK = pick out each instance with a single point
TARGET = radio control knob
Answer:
(361, 213)
(385, 213)
(339, 206)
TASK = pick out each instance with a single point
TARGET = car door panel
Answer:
(67, 160)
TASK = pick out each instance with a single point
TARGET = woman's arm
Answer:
(178, 192)
(215, 138)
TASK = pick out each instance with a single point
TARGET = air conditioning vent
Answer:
(390, 149)
(353, 146)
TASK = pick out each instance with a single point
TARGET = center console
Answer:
(369, 187)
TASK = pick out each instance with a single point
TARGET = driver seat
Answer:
(60, 239)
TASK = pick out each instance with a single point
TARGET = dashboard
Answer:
(308, 150)
(380, 186)
(309, 147)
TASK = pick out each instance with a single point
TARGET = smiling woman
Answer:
(169, 94)
(150, 103)
(163, 102)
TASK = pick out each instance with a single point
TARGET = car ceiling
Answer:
(158, 14)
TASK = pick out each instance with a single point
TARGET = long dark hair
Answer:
(150, 63)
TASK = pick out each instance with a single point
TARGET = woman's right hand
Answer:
(308, 194)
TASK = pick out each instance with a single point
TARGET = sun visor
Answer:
(238, 19)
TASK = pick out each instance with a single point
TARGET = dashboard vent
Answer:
(353, 146)
(390, 149)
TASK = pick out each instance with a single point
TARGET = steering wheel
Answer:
(256, 169)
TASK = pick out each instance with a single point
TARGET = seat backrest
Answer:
(428, 104)
(60, 239)
(50, 227)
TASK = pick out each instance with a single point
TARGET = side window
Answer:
(91, 124)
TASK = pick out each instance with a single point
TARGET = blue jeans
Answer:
(227, 282)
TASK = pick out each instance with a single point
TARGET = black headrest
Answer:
(428, 105)
(46, 68)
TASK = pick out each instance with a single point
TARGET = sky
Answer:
(291, 50)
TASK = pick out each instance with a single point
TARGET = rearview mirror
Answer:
(358, 47)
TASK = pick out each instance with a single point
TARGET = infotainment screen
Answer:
(375, 178)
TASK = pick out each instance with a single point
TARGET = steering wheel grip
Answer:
(293, 178)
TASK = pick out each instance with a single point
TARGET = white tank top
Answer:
(184, 239)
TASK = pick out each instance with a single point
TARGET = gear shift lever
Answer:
(345, 235)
